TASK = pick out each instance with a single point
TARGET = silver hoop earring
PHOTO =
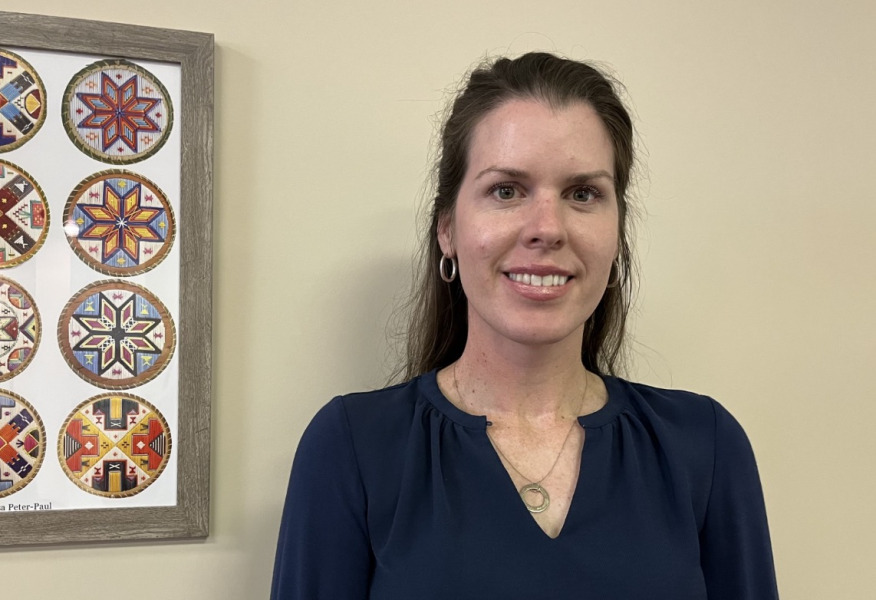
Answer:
(615, 266)
(442, 269)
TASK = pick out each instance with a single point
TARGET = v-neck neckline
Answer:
(606, 414)
(523, 511)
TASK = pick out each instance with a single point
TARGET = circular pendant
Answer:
(534, 488)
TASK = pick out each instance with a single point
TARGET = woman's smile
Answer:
(538, 280)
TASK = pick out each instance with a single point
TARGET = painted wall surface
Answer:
(757, 125)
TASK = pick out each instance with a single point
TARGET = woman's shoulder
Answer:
(384, 405)
(692, 420)
(694, 433)
(673, 407)
(372, 432)
(379, 413)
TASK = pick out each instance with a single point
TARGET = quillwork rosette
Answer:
(117, 112)
(119, 223)
(116, 334)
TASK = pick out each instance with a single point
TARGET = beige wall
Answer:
(756, 243)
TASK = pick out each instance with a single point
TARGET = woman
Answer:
(513, 464)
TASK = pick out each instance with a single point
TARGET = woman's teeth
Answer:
(538, 280)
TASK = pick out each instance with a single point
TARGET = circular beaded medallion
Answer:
(117, 112)
(22, 101)
(116, 334)
(22, 443)
(119, 223)
(114, 445)
(24, 215)
(20, 329)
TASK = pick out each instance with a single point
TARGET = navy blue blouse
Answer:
(398, 495)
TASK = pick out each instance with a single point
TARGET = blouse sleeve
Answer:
(735, 550)
(323, 552)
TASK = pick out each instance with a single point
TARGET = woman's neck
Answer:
(519, 381)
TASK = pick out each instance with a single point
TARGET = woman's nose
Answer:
(544, 222)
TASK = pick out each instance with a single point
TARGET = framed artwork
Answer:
(105, 281)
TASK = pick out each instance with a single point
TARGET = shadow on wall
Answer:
(232, 272)
(369, 311)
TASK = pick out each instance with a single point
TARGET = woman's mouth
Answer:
(538, 280)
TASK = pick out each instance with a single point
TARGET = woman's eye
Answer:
(505, 192)
(585, 194)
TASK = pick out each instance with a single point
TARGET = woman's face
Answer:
(535, 228)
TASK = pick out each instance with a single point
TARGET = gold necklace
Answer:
(534, 487)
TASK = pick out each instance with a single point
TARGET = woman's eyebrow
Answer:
(585, 177)
(515, 173)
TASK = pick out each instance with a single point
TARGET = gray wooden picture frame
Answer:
(193, 52)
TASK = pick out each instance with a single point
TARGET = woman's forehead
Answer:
(523, 134)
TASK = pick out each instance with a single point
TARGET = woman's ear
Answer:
(445, 235)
